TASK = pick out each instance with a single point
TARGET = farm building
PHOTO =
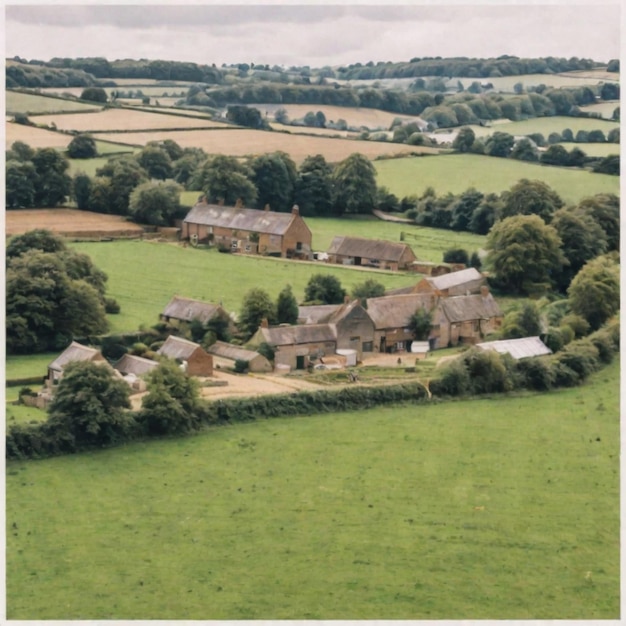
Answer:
(466, 319)
(431, 268)
(524, 348)
(134, 369)
(370, 252)
(296, 346)
(461, 283)
(315, 314)
(249, 231)
(229, 353)
(186, 310)
(195, 360)
(74, 352)
(391, 315)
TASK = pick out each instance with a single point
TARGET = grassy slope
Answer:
(502, 508)
(458, 172)
(546, 125)
(17, 102)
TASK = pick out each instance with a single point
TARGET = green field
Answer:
(17, 102)
(28, 365)
(546, 125)
(457, 172)
(605, 109)
(593, 149)
(502, 508)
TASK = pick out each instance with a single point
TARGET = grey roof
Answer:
(523, 348)
(316, 314)
(368, 248)
(229, 351)
(466, 308)
(186, 309)
(400, 291)
(131, 364)
(342, 311)
(251, 220)
(297, 335)
(75, 352)
(395, 311)
(454, 279)
(178, 348)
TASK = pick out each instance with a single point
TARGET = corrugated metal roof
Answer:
(187, 309)
(75, 352)
(523, 348)
(454, 279)
(395, 311)
(229, 351)
(466, 308)
(297, 335)
(251, 220)
(178, 348)
(131, 364)
(368, 248)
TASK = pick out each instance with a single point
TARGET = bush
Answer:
(553, 339)
(536, 373)
(111, 306)
(241, 366)
(487, 371)
(581, 356)
(577, 323)
(567, 334)
(564, 376)
(604, 345)
(453, 381)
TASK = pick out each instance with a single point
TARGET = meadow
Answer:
(593, 149)
(31, 104)
(456, 173)
(495, 508)
(34, 137)
(605, 109)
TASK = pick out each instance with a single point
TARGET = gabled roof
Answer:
(186, 309)
(131, 364)
(454, 279)
(251, 220)
(297, 335)
(368, 248)
(523, 348)
(229, 351)
(343, 311)
(75, 352)
(178, 348)
(316, 314)
(466, 308)
(395, 311)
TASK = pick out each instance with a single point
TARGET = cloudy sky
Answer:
(312, 34)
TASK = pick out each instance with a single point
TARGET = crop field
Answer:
(240, 143)
(203, 274)
(545, 126)
(308, 130)
(30, 104)
(605, 109)
(34, 137)
(594, 149)
(499, 508)
(166, 107)
(123, 120)
(456, 173)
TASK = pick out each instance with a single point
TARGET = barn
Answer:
(195, 360)
(74, 352)
(461, 283)
(370, 252)
(230, 353)
(522, 348)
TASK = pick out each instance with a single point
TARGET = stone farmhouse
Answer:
(74, 352)
(524, 348)
(229, 353)
(249, 231)
(194, 359)
(370, 252)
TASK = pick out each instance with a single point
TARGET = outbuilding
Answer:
(193, 358)
(230, 353)
(377, 253)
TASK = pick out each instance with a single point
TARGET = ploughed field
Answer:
(500, 508)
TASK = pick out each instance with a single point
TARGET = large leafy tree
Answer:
(255, 307)
(154, 203)
(53, 183)
(113, 195)
(464, 140)
(274, 176)
(82, 147)
(324, 289)
(313, 189)
(38, 239)
(531, 197)
(368, 289)
(81, 190)
(90, 405)
(595, 291)
(420, 324)
(20, 184)
(354, 181)
(605, 210)
(286, 307)
(485, 214)
(499, 144)
(224, 179)
(524, 254)
(156, 161)
(463, 209)
(523, 321)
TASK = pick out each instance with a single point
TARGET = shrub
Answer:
(453, 381)
(536, 373)
(266, 350)
(564, 376)
(487, 372)
(111, 306)
(604, 345)
(577, 323)
(581, 356)
(241, 366)
(553, 339)
(567, 334)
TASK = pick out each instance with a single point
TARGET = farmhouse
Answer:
(230, 353)
(74, 352)
(370, 252)
(249, 231)
(523, 348)
(133, 369)
(461, 283)
(195, 361)
(391, 316)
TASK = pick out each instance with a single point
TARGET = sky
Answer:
(316, 34)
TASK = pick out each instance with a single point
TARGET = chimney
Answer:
(484, 291)
(295, 209)
(346, 299)
(264, 323)
(266, 207)
(238, 204)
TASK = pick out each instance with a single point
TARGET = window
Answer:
(368, 346)
(299, 245)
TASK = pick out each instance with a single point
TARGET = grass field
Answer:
(594, 149)
(30, 104)
(502, 508)
(456, 173)
(605, 109)
(306, 130)
(34, 137)
(27, 365)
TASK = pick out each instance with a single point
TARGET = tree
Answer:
(594, 294)
(52, 183)
(369, 289)
(420, 324)
(531, 197)
(324, 289)
(255, 307)
(20, 184)
(608, 165)
(246, 116)
(556, 154)
(156, 162)
(286, 307)
(124, 174)
(524, 321)
(499, 144)
(274, 176)
(94, 94)
(524, 150)
(576, 157)
(484, 216)
(313, 187)
(605, 211)
(171, 404)
(456, 255)
(354, 181)
(224, 179)
(464, 139)
(613, 135)
(81, 190)
(90, 405)
(463, 209)
(20, 151)
(37, 239)
(525, 254)
(155, 203)
(82, 147)
(596, 136)
(280, 116)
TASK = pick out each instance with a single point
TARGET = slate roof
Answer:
(523, 348)
(367, 248)
(454, 279)
(466, 308)
(178, 348)
(251, 220)
(297, 335)
(131, 364)
(186, 309)
(74, 352)
(395, 311)
(229, 351)
(317, 313)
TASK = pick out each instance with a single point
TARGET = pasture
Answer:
(240, 143)
(605, 109)
(500, 508)
(456, 173)
(593, 149)
(31, 104)
(308, 130)
(34, 137)
(545, 126)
